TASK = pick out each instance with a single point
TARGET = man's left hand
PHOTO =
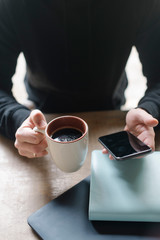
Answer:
(140, 123)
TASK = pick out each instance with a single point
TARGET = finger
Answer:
(111, 157)
(38, 119)
(33, 155)
(104, 150)
(31, 148)
(151, 122)
(126, 128)
(147, 118)
(149, 141)
(28, 135)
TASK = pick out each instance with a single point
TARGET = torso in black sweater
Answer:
(76, 51)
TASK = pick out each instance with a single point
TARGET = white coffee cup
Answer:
(69, 156)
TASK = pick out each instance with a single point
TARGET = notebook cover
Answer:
(125, 190)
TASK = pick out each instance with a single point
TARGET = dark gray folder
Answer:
(66, 218)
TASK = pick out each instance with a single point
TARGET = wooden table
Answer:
(28, 184)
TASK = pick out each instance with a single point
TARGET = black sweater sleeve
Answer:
(12, 114)
(148, 46)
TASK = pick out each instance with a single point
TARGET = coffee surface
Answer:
(66, 134)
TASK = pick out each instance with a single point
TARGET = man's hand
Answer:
(140, 123)
(28, 142)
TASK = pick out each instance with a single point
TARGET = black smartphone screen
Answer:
(123, 145)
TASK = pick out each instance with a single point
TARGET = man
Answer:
(76, 52)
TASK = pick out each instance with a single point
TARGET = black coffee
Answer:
(66, 134)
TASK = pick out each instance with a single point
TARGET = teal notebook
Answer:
(125, 191)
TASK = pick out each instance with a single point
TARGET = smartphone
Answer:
(124, 145)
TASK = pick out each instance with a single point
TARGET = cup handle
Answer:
(36, 129)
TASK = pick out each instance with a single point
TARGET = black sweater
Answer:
(76, 52)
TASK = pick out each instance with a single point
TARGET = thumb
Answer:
(38, 119)
(149, 120)
(152, 122)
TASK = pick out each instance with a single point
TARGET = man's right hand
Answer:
(29, 143)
